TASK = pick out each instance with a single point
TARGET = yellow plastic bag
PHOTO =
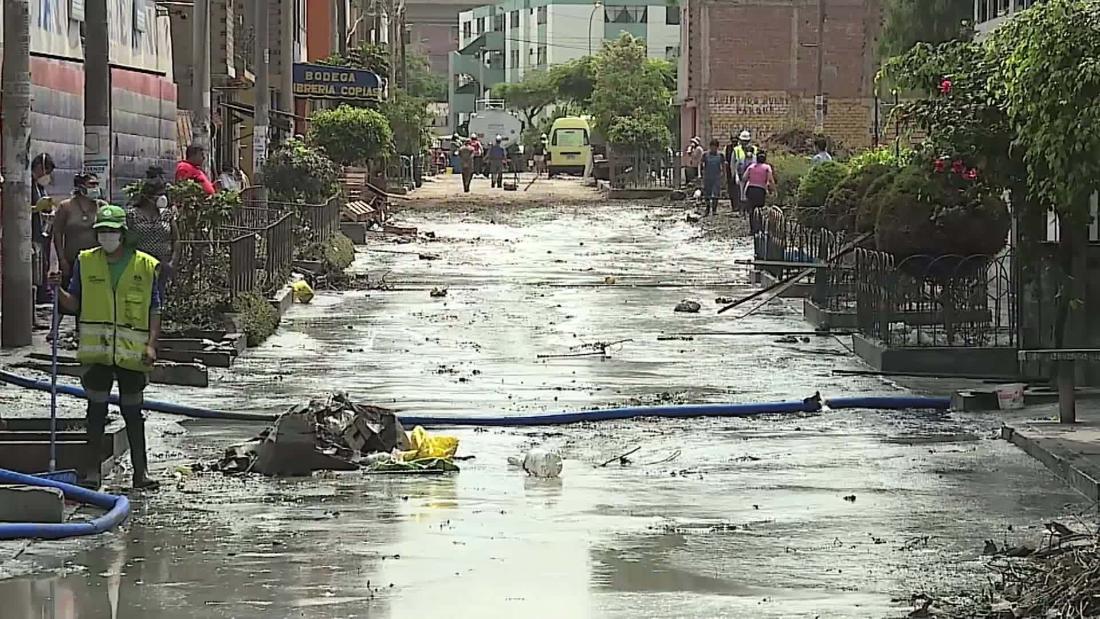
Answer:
(426, 446)
(303, 293)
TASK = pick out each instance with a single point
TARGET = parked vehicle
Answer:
(570, 147)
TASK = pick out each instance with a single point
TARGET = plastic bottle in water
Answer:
(541, 463)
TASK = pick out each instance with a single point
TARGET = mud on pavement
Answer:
(836, 514)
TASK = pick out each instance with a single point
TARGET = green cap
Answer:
(111, 217)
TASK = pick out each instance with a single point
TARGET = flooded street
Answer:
(837, 514)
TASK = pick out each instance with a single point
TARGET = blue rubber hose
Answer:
(150, 405)
(681, 411)
(118, 509)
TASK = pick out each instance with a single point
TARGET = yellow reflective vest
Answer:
(114, 324)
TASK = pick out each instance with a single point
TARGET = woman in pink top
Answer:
(757, 181)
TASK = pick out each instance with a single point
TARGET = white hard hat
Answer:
(745, 135)
(499, 138)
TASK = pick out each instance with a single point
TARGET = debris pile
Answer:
(337, 434)
(1059, 580)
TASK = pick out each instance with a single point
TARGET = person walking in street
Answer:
(693, 160)
(713, 165)
(114, 293)
(822, 155)
(539, 155)
(190, 168)
(151, 227)
(73, 223)
(479, 154)
(466, 162)
(758, 181)
(740, 154)
(496, 157)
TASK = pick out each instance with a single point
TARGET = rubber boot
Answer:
(135, 434)
(93, 449)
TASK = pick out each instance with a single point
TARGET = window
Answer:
(672, 15)
(569, 137)
(672, 52)
(625, 15)
(467, 28)
(514, 17)
(541, 60)
(514, 62)
(480, 25)
(541, 16)
(498, 23)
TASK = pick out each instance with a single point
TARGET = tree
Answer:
(410, 122)
(1024, 102)
(908, 22)
(422, 83)
(530, 96)
(351, 135)
(630, 101)
(575, 80)
(369, 56)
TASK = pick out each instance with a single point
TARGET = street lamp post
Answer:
(591, 17)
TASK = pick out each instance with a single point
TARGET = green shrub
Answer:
(338, 253)
(295, 172)
(871, 204)
(813, 190)
(349, 135)
(789, 170)
(878, 156)
(257, 316)
(846, 199)
(410, 122)
(924, 213)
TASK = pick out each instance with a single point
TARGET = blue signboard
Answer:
(315, 81)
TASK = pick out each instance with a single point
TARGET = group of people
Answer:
(745, 169)
(749, 178)
(112, 266)
(473, 157)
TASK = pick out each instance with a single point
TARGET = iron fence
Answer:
(221, 267)
(273, 229)
(640, 170)
(319, 222)
(941, 301)
(780, 239)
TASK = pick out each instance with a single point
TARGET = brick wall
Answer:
(755, 65)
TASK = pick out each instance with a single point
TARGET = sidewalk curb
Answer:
(1076, 471)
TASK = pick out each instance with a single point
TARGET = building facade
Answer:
(753, 64)
(988, 14)
(502, 42)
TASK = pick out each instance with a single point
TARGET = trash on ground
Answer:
(438, 293)
(539, 463)
(688, 307)
(337, 434)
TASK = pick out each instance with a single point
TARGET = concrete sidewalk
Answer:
(1072, 452)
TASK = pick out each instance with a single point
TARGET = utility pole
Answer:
(404, 31)
(97, 95)
(286, 53)
(16, 299)
(200, 80)
(262, 97)
(819, 100)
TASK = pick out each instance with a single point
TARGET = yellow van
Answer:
(570, 146)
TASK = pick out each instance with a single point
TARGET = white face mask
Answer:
(44, 180)
(93, 193)
(162, 203)
(109, 241)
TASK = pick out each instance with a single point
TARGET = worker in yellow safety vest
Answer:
(740, 154)
(113, 291)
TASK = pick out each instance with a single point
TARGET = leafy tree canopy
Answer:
(351, 135)
(909, 22)
(629, 85)
(529, 96)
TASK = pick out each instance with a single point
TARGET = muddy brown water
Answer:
(710, 518)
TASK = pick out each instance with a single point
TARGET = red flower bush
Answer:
(945, 87)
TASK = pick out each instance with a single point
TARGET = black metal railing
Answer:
(941, 301)
(640, 170)
(320, 221)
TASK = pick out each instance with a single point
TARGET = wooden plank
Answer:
(209, 358)
(793, 265)
(185, 374)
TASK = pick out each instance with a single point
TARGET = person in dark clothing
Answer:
(713, 165)
(496, 156)
(466, 161)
